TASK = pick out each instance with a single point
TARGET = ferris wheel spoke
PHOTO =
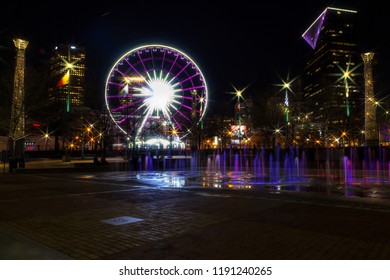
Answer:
(120, 72)
(123, 119)
(132, 67)
(152, 58)
(187, 107)
(116, 84)
(142, 62)
(194, 87)
(163, 59)
(143, 123)
(114, 97)
(128, 116)
(173, 64)
(175, 124)
(184, 116)
(188, 97)
(189, 78)
(181, 70)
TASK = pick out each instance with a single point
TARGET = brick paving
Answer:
(60, 216)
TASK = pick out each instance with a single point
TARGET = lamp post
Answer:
(346, 76)
(238, 95)
(238, 108)
(46, 137)
(286, 86)
(82, 137)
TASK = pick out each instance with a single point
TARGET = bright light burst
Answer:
(347, 74)
(286, 85)
(238, 92)
(159, 95)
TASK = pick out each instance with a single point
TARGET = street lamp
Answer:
(286, 86)
(46, 138)
(346, 76)
(238, 94)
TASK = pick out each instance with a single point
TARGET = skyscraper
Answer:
(67, 73)
(333, 75)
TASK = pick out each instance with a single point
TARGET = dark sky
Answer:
(240, 43)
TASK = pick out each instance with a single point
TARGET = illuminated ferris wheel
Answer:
(156, 91)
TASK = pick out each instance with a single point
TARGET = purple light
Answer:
(313, 32)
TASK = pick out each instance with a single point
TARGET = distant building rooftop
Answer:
(311, 34)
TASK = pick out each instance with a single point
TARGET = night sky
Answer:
(241, 43)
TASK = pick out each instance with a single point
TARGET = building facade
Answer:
(67, 74)
(333, 76)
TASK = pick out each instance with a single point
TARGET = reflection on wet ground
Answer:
(241, 180)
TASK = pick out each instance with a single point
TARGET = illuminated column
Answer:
(194, 120)
(286, 104)
(370, 125)
(16, 132)
(238, 108)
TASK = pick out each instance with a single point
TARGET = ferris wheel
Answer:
(156, 90)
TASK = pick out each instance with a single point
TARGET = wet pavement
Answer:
(100, 214)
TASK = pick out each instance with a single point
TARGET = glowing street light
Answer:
(46, 136)
(286, 87)
(346, 76)
(286, 103)
(238, 94)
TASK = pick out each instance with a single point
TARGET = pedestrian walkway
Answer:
(51, 165)
(14, 246)
(103, 216)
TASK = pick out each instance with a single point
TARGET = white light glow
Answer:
(161, 95)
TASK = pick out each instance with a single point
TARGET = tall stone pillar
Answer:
(370, 125)
(17, 126)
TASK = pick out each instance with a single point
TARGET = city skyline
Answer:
(183, 164)
(235, 46)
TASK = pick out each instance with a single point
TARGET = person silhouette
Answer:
(96, 161)
(103, 161)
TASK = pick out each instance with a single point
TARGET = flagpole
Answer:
(67, 156)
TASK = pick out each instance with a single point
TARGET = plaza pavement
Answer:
(50, 211)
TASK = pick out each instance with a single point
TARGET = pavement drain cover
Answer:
(121, 220)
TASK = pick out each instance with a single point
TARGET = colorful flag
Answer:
(125, 90)
(64, 80)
